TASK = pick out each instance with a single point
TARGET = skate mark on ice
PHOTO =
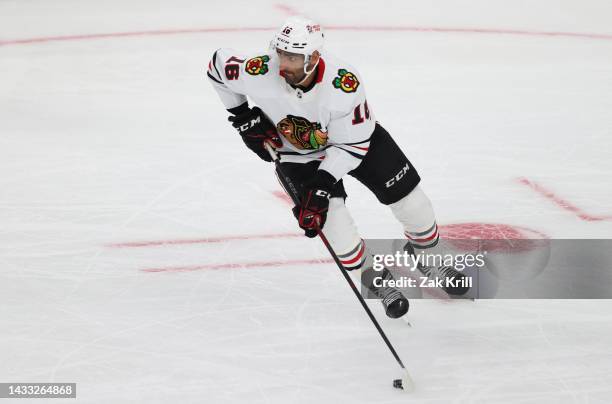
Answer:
(283, 197)
(207, 240)
(285, 9)
(560, 202)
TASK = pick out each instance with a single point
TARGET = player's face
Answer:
(291, 66)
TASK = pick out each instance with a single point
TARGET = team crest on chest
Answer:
(346, 81)
(257, 65)
(302, 133)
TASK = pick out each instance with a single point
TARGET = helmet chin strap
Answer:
(307, 72)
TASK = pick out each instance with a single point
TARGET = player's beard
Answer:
(293, 78)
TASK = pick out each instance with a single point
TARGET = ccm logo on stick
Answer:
(398, 176)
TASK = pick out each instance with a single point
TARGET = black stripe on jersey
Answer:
(303, 154)
(210, 76)
(213, 78)
(214, 60)
(363, 141)
(359, 156)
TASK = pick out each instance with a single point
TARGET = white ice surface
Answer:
(118, 140)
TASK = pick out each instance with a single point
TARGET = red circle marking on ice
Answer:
(493, 237)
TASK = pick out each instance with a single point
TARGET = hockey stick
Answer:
(405, 382)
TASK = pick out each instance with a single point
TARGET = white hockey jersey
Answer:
(331, 122)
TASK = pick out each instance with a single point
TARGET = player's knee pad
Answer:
(341, 231)
(415, 213)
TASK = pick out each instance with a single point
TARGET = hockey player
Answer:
(312, 107)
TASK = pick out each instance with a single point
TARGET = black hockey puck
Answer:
(397, 383)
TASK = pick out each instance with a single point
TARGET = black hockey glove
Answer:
(312, 210)
(254, 127)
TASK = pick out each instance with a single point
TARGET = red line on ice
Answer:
(382, 28)
(495, 31)
(155, 243)
(562, 203)
(82, 37)
(234, 265)
(220, 239)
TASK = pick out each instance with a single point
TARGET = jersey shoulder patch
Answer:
(346, 81)
(228, 66)
(257, 65)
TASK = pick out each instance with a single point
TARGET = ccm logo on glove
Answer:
(249, 125)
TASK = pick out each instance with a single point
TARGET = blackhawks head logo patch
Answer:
(346, 81)
(302, 133)
(257, 65)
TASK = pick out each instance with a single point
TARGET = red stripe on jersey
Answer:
(360, 148)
